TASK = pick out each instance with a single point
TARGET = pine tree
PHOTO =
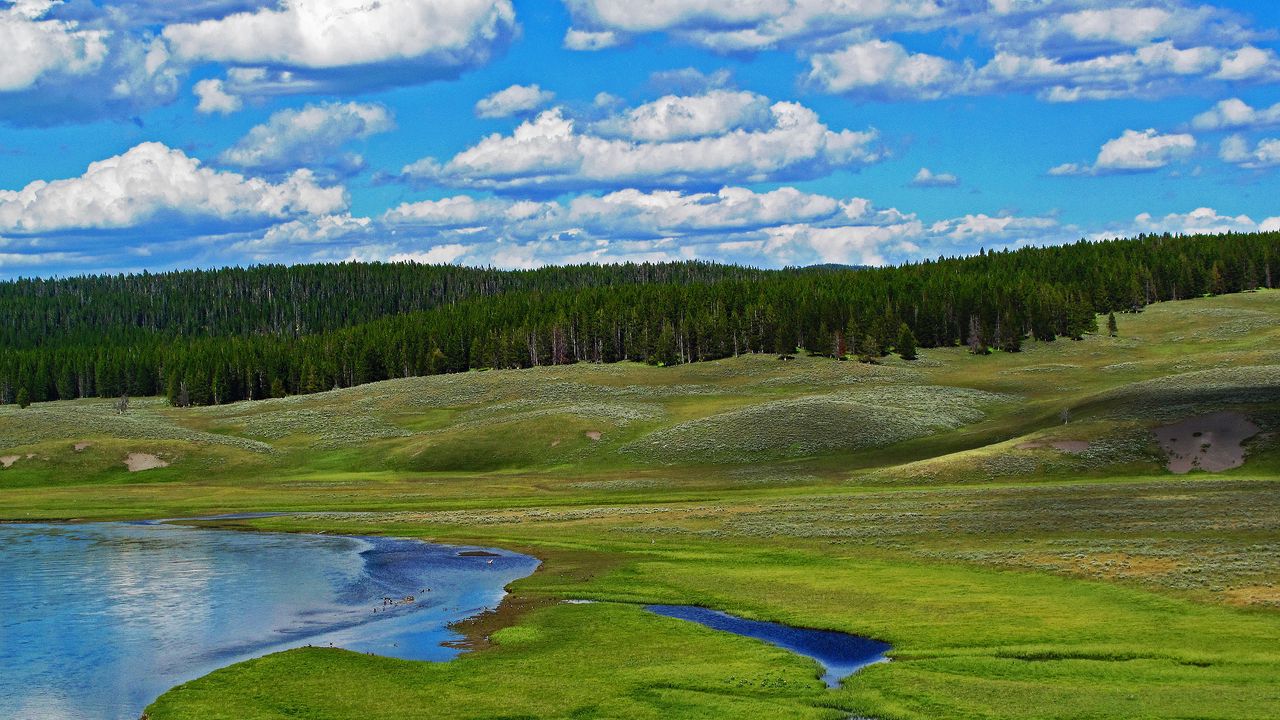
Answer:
(906, 345)
(977, 345)
(1112, 329)
(664, 351)
(868, 349)
(24, 398)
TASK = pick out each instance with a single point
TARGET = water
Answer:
(840, 654)
(97, 620)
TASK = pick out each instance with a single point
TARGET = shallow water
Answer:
(96, 620)
(840, 654)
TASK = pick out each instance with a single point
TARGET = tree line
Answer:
(209, 337)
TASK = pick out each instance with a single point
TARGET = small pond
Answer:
(97, 620)
(840, 654)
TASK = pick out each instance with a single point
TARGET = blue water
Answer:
(97, 620)
(840, 654)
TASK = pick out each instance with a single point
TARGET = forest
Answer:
(204, 337)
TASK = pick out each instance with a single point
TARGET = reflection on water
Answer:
(840, 654)
(97, 620)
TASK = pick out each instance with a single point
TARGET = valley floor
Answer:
(1021, 566)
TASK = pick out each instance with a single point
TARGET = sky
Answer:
(153, 135)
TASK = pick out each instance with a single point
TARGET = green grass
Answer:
(889, 500)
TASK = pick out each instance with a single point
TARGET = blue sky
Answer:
(152, 135)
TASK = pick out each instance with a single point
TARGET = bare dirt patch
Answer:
(1066, 446)
(137, 462)
(1254, 595)
(595, 435)
(8, 460)
(82, 446)
(1212, 443)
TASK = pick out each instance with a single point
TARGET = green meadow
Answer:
(1008, 522)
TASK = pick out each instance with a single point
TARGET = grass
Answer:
(890, 500)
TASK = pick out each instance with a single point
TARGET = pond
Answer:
(97, 620)
(840, 654)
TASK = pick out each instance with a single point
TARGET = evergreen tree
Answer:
(664, 352)
(24, 398)
(869, 349)
(1112, 329)
(906, 345)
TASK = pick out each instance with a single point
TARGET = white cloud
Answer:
(215, 99)
(55, 70)
(736, 25)
(675, 117)
(1060, 50)
(1202, 221)
(785, 226)
(1236, 150)
(514, 100)
(438, 255)
(1134, 151)
(310, 135)
(926, 178)
(551, 152)
(1069, 169)
(1130, 26)
(1248, 63)
(31, 47)
(881, 69)
(339, 33)
(342, 45)
(986, 228)
(152, 182)
(1235, 114)
(1145, 150)
(884, 68)
(585, 40)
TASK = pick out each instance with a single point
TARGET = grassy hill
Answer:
(1022, 566)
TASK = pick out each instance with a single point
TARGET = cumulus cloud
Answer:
(926, 178)
(985, 228)
(155, 183)
(31, 47)
(886, 69)
(515, 100)
(745, 25)
(1134, 151)
(676, 117)
(710, 140)
(56, 69)
(341, 33)
(1059, 50)
(1248, 63)
(1202, 221)
(351, 44)
(1143, 150)
(1131, 26)
(311, 135)
(213, 98)
(1237, 150)
(1235, 114)
(785, 226)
